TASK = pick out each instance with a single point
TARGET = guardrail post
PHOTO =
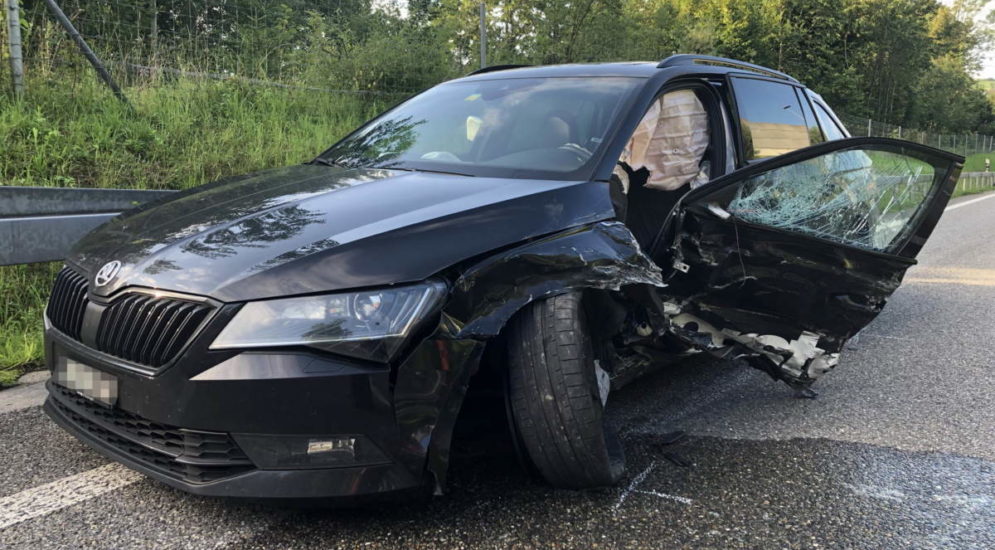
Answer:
(14, 43)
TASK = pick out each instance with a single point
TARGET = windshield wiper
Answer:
(448, 172)
(326, 162)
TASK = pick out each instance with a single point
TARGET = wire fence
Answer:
(963, 144)
(300, 43)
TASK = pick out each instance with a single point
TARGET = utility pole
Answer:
(85, 49)
(14, 39)
(483, 35)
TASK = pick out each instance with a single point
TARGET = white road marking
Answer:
(632, 486)
(965, 203)
(873, 335)
(65, 492)
(675, 498)
(894, 494)
(22, 397)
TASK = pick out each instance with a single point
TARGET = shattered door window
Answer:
(863, 198)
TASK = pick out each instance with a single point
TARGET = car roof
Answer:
(644, 69)
(690, 63)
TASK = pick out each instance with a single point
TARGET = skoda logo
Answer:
(106, 273)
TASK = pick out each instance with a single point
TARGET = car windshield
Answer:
(549, 128)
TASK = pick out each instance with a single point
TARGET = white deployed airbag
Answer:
(670, 141)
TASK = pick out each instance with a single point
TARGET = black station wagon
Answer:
(549, 232)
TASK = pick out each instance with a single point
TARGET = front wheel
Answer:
(555, 399)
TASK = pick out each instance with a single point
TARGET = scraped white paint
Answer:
(965, 203)
(675, 498)
(632, 486)
(65, 492)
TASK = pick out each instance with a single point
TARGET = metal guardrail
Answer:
(41, 224)
(976, 181)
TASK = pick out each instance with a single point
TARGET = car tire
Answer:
(554, 398)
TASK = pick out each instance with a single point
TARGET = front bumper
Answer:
(197, 425)
(239, 479)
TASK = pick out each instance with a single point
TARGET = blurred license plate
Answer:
(87, 381)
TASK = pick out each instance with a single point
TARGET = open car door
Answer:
(780, 263)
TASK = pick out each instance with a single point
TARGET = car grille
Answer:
(68, 302)
(147, 329)
(190, 455)
(142, 328)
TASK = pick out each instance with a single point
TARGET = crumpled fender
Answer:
(432, 382)
(604, 255)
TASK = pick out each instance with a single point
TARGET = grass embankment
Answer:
(976, 162)
(181, 134)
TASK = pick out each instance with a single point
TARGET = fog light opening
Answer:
(340, 445)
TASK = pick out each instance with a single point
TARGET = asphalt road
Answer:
(898, 451)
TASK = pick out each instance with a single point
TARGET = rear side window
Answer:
(771, 119)
(829, 126)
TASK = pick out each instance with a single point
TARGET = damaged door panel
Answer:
(784, 261)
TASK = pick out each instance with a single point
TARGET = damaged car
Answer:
(547, 233)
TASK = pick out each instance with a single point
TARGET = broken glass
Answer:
(859, 197)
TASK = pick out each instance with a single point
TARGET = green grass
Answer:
(181, 134)
(976, 162)
(73, 133)
(24, 290)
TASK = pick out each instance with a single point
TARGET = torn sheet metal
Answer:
(604, 255)
(670, 141)
(799, 361)
(769, 281)
(784, 304)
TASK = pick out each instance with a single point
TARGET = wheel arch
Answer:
(599, 258)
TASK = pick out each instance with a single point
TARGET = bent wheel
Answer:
(555, 399)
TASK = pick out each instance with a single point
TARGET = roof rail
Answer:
(493, 68)
(691, 59)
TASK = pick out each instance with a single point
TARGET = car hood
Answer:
(311, 228)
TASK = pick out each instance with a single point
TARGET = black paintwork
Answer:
(310, 228)
(497, 243)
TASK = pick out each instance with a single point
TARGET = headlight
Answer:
(369, 324)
